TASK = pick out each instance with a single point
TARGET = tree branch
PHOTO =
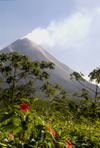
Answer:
(86, 86)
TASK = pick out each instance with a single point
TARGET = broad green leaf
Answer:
(2, 144)
(23, 99)
(17, 130)
(6, 116)
(36, 99)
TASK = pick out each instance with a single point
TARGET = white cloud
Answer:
(78, 36)
(68, 32)
(40, 36)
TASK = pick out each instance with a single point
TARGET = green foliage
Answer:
(93, 76)
(76, 124)
(28, 128)
(14, 68)
(45, 124)
(77, 76)
(53, 91)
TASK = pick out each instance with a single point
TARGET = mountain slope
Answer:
(60, 75)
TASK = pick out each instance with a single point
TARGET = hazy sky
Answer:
(67, 29)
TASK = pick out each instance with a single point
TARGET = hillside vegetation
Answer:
(29, 122)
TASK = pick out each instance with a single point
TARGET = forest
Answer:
(62, 121)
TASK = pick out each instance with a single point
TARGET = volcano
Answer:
(61, 73)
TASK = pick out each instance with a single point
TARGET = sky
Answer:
(68, 29)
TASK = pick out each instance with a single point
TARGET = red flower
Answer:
(53, 133)
(68, 144)
(48, 128)
(24, 107)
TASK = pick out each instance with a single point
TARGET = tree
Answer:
(93, 76)
(55, 92)
(14, 68)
